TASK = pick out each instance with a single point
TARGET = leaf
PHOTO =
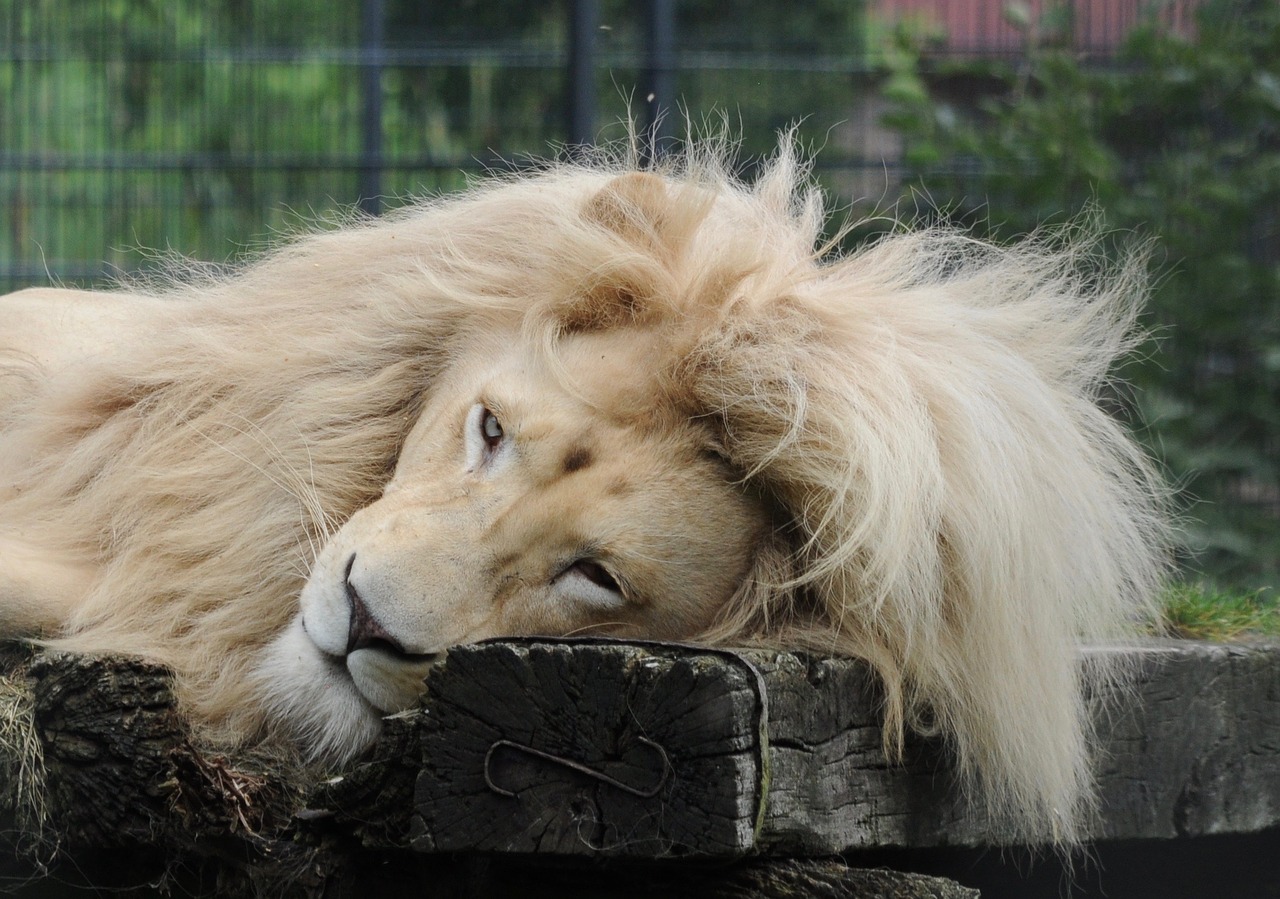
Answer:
(1018, 15)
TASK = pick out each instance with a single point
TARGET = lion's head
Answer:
(535, 494)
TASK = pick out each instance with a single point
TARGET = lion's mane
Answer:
(952, 504)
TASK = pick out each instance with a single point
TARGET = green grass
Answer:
(1202, 612)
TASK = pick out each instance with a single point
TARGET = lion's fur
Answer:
(954, 507)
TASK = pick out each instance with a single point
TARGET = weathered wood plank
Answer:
(120, 772)
(615, 749)
(1194, 749)
(639, 751)
(108, 731)
(1199, 752)
(832, 788)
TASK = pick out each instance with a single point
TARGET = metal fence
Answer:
(131, 127)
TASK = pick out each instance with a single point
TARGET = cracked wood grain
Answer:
(1193, 749)
(635, 751)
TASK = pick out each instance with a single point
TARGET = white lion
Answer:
(592, 400)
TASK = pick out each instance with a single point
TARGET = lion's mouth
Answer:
(398, 656)
(390, 680)
(385, 675)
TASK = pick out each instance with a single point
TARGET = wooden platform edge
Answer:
(1195, 749)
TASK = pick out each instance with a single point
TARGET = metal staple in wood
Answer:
(760, 723)
(573, 765)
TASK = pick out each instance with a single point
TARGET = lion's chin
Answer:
(314, 700)
(389, 681)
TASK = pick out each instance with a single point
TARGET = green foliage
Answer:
(195, 126)
(1200, 612)
(1179, 139)
(188, 125)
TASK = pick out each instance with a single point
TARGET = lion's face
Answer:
(531, 497)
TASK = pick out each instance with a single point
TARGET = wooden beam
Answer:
(631, 751)
(648, 750)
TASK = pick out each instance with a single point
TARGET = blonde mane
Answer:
(950, 502)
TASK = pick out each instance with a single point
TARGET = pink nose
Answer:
(363, 629)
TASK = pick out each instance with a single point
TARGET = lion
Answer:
(596, 398)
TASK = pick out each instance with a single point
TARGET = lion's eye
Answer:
(490, 430)
(588, 581)
(596, 573)
(485, 441)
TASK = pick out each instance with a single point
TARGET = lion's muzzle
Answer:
(364, 629)
(386, 674)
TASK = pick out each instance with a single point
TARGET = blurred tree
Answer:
(1180, 139)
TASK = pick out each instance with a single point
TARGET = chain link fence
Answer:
(137, 127)
(132, 127)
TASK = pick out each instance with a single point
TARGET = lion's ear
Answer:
(650, 212)
(632, 205)
(652, 217)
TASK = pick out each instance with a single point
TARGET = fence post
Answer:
(584, 23)
(372, 33)
(659, 85)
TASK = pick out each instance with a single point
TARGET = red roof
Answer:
(982, 26)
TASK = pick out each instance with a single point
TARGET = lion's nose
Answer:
(363, 629)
